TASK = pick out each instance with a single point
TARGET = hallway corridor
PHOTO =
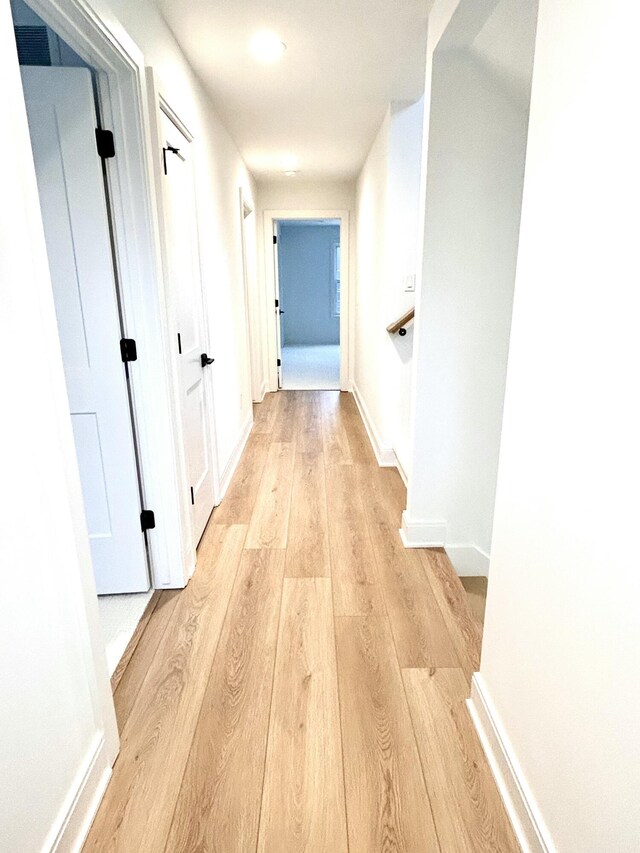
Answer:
(306, 691)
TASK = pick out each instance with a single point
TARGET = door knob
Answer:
(205, 360)
(281, 311)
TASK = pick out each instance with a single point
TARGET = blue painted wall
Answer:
(305, 256)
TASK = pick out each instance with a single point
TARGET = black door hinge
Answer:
(279, 362)
(105, 144)
(147, 519)
(275, 240)
(128, 349)
(277, 303)
(193, 500)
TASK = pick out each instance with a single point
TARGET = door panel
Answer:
(185, 282)
(62, 123)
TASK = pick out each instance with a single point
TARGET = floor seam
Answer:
(273, 681)
(335, 645)
(204, 693)
(404, 690)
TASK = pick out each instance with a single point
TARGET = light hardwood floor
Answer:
(306, 691)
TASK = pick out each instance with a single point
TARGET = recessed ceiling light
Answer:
(291, 173)
(267, 46)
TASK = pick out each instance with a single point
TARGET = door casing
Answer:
(254, 317)
(208, 373)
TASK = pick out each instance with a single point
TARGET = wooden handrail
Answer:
(398, 325)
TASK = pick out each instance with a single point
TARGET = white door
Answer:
(195, 359)
(62, 122)
(278, 307)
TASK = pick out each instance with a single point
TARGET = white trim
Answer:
(385, 455)
(158, 105)
(422, 534)
(402, 472)
(98, 38)
(469, 561)
(271, 216)
(77, 815)
(518, 799)
(250, 291)
(262, 392)
(234, 459)
(167, 109)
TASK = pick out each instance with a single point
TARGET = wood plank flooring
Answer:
(305, 693)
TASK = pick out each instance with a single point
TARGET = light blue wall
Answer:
(305, 255)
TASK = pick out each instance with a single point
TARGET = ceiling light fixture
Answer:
(267, 46)
(291, 173)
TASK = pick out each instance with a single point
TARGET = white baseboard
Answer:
(422, 534)
(523, 812)
(402, 472)
(82, 805)
(385, 455)
(232, 464)
(261, 393)
(469, 561)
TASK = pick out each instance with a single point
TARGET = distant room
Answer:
(309, 303)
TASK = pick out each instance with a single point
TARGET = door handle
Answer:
(205, 360)
(281, 311)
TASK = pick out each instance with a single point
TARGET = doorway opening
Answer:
(309, 290)
(70, 149)
(307, 280)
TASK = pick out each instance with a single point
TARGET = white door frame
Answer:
(277, 301)
(158, 104)
(271, 216)
(99, 39)
(253, 318)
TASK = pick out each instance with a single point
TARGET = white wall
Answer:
(475, 167)
(296, 194)
(220, 172)
(561, 649)
(307, 284)
(56, 713)
(369, 319)
(477, 130)
(401, 241)
(387, 235)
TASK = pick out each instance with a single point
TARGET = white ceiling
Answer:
(324, 100)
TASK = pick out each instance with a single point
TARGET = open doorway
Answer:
(69, 152)
(309, 289)
(307, 282)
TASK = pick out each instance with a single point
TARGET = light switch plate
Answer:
(409, 283)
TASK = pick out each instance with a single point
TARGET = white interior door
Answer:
(185, 281)
(279, 310)
(62, 123)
